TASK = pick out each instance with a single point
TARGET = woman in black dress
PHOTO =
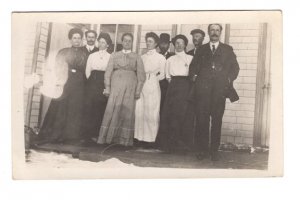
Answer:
(177, 120)
(63, 119)
(95, 100)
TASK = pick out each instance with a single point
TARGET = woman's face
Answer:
(127, 42)
(102, 44)
(151, 44)
(179, 45)
(76, 40)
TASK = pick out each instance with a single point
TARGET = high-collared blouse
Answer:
(178, 65)
(128, 61)
(97, 61)
(154, 64)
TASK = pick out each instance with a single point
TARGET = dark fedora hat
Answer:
(164, 37)
(198, 31)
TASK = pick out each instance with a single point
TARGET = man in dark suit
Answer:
(164, 45)
(90, 47)
(213, 70)
(198, 37)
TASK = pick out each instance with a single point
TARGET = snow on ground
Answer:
(59, 160)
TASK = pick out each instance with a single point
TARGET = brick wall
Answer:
(35, 59)
(238, 121)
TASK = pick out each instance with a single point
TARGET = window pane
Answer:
(123, 28)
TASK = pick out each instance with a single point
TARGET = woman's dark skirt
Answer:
(95, 104)
(176, 132)
(63, 119)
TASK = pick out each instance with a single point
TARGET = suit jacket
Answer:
(191, 52)
(89, 52)
(222, 65)
(168, 54)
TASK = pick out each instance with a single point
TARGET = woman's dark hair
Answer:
(180, 36)
(221, 28)
(127, 34)
(106, 37)
(91, 31)
(74, 31)
(152, 35)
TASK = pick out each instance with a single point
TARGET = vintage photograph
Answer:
(147, 94)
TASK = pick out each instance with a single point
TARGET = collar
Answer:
(103, 51)
(214, 43)
(151, 52)
(182, 53)
(90, 47)
(126, 51)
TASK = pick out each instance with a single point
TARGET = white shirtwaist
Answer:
(97, 61)
(178, 65)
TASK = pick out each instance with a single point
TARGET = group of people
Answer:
(158, 100)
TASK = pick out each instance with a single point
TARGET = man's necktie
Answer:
(213, 48)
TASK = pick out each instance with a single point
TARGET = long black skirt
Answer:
(163, 89)
(95, 104)
(176, 132)
(63, 119)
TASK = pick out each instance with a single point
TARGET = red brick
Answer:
(245, 120)
(229, 113)
(244, 113)
(248, 141)
(249, 79)
(249, 93)
(238, 140)
(230, 119)
(244, 133)
(247, 127)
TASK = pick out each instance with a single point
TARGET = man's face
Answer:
(164, 46)
(198, 39)
(214, 33)
(90, 39)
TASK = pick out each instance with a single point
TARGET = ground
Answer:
(152, 158)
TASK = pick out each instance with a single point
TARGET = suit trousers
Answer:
(210, 106)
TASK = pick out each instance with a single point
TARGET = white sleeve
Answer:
(88, 67)
(168, 66)
(162, 68)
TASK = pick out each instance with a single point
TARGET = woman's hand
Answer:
(169, 80)
(137, 96)
(106, 92)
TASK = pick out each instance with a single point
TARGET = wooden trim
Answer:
(260, 84)
(46, 56)
(116, 37)
(33, 69)
(138, 39)
(227, 33)
(174, 30)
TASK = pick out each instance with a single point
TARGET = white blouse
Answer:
(178, 65)
(154, 64)
(97, 61)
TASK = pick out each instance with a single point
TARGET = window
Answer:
(116, 31)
